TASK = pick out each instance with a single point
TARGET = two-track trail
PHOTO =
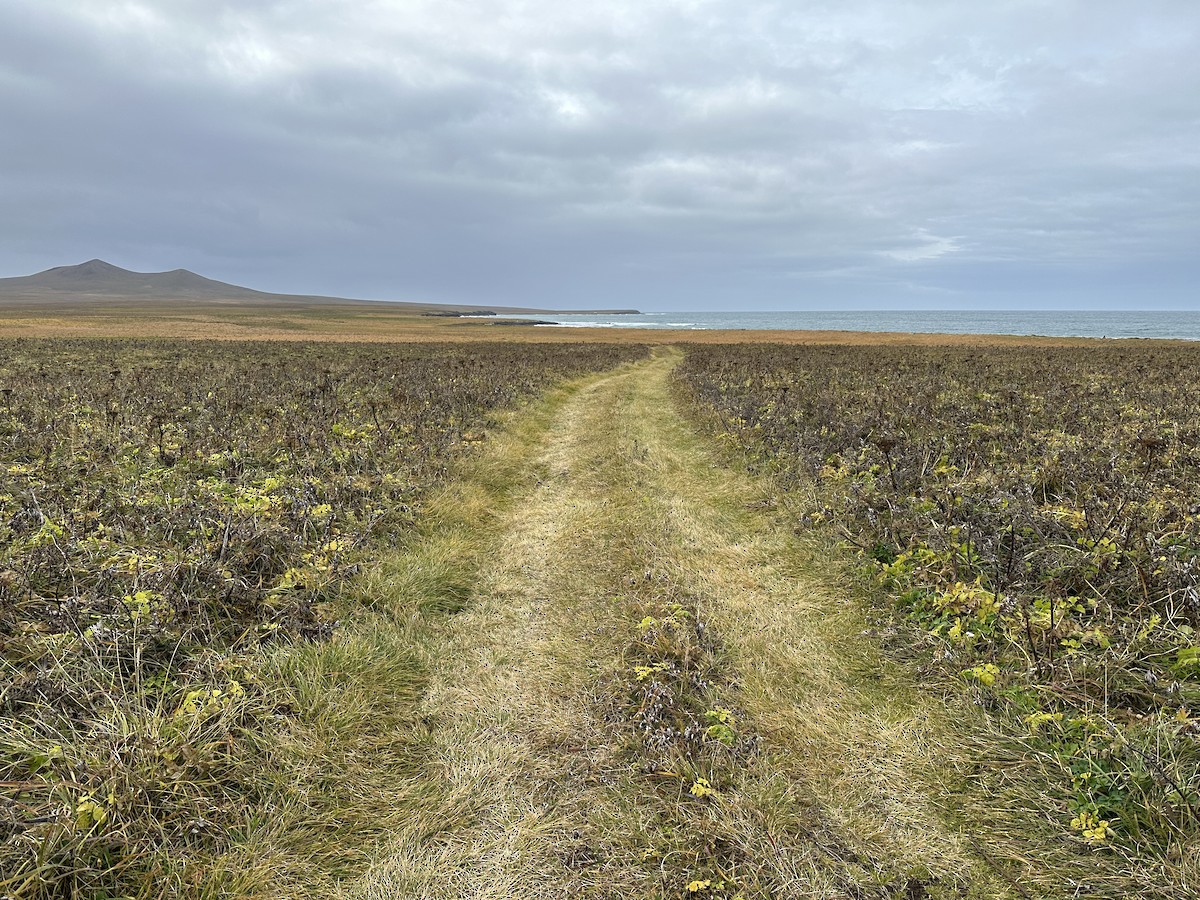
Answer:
(648, 693)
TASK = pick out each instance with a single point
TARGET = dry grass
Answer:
(839, 725)
(514, 726)
(524, 701)
(263, 764)
(639, 593)
(1130, 751)
(349, 772)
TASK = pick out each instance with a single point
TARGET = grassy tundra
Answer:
(1037, 516)
(318, 619)
(168, 512)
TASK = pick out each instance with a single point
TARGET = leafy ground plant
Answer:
(169, 511)
(1035, 515)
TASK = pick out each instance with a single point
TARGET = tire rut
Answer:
(631, 704)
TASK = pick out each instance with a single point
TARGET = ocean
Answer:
(1184, 324)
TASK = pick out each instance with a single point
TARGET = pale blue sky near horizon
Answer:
(659, 154)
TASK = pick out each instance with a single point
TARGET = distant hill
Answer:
(97, 282)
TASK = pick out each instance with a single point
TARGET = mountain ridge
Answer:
(96, 282)
(97, 279)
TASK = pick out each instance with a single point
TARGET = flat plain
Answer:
(306, 600)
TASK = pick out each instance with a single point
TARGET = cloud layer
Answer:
(660, 153)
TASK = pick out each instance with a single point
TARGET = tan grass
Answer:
(531, 784)
(472, 732)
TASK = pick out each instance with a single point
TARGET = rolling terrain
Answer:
(97, 283)
(604, 643)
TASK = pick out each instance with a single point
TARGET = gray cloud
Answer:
(661, 153)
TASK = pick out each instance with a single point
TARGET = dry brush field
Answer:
(1036, 516)
(181, 520)
(167, 511)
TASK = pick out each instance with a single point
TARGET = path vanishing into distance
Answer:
(641, 682)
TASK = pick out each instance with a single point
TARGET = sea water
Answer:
(1183, 324)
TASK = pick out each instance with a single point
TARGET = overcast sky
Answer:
(665, 154)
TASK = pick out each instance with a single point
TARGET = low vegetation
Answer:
(1035, 515)
(652, 690)
(597, 662)
(169, 513)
